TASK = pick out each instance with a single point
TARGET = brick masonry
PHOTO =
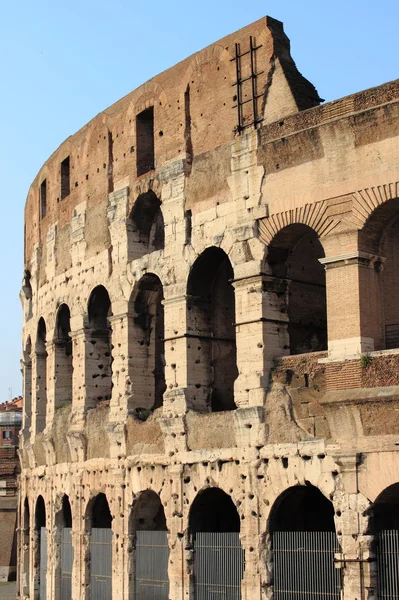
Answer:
(214, 322)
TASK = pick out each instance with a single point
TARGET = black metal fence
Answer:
(151, 572)
(304, 567)
(66, 564)
(218, 566)
(388, 565)
(101, 564)
(43, 564)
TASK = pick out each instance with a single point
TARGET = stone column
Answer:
(355, 324)
(122, 385)
(250, 538)
(351, 527)
(179, 394)
(177, 521)
(261, 334)
(118, 549)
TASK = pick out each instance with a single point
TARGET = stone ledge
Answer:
(361, 395)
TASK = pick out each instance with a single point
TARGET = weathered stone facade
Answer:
(211, 302)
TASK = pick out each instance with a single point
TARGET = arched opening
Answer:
(379, 239)
(99, 524)
(147, 346)
(212, 355)
(27, 365)
(40, 551)
(293, 257)
(64, 559)
(146, 228)
(99, 361)
(304, 543)
(63, 358)
(214, 528)
(25, 549)
(41, 377)
(150, 557)
(384, 526)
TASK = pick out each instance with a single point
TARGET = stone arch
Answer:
(98, 347)
(146, 346)
(384, 512)
(302, 508)
(213, 510)
(40, 408)
(293, 260)
(212, 354)
(214, 532)
(146, 227)
(302, 531)
(314, 216)
(148, 570)
(379, 244)
(63, 350)
(147, 513)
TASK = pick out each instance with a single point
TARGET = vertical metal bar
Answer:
(253, 81)
(238, 76)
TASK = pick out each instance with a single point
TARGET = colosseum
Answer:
(211, 341)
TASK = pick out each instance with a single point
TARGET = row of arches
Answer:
(211, 334)
(296, 279)
(300, 535)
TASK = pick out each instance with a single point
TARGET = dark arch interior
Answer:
(26, 514)
(99, 375)
(213, 511)
(99, 308)
(150, 332)
(294, 257)
(40, 513)
(385, 511)
(148, 224)
(63, 329)
(41, 332)
(66, 512)
(148, 513)
(100, 514)
(211, 305)
(302, 508)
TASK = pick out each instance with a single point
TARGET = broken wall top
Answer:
(195, 111)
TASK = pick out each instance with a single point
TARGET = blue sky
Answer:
(63, 62)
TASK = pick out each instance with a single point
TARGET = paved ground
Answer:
(8, 591)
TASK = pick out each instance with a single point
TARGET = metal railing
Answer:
(304, 566)
(388, 565)
(152, 559)
(218, 566)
